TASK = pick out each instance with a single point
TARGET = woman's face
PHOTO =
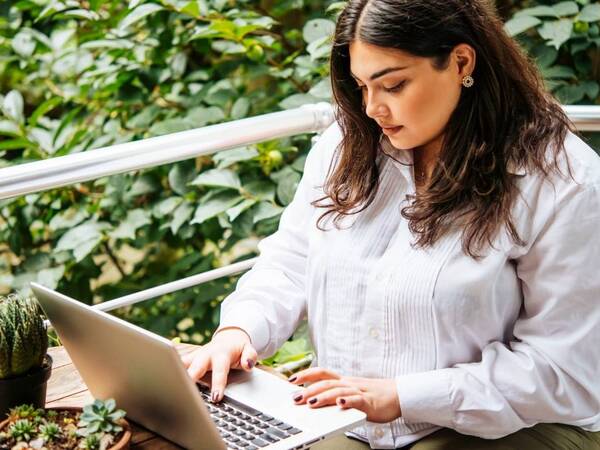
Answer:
(406, 91)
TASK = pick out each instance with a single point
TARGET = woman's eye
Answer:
(396, 88)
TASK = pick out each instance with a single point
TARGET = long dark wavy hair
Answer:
(506, 118)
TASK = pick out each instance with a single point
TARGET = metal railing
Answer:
(61, 171)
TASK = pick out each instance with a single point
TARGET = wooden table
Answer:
(66, 388)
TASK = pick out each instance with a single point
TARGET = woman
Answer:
(443, 242)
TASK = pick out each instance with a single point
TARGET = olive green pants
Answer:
(543, 436)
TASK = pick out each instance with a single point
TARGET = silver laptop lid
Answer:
(140, 370)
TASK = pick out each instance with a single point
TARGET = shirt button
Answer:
(379, 432)
(374, 332)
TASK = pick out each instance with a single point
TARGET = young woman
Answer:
(444, 243)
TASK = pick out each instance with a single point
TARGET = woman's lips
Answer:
(390, 131)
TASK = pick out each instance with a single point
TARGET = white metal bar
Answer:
(173, 286)
(584, 117)
(61, 171)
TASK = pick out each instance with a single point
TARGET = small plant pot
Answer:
(28, 388)
(121, 444)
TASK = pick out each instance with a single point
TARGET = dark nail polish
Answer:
(298, 397)
(250, 363)
(292, 378)
(312, 401)
(342, 401)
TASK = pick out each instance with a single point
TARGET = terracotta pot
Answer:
(28, 388)
(123, 443)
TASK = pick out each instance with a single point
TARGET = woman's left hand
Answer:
(377, 397)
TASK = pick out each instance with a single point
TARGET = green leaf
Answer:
(297, 100)
(286, 188)
(218, 178)
(82, 239)
(538, 11)
(201, 116)
(518, 24)
(135, 220)
(317, 28)
(565, 9)
(180, 175)
(570, 94)
(233, 213)
(590, 13)
(14, 144)
(166, 206)
(68, 218)
(42, 109)
(170, 126)
(240, 108)
(544, 55)
(556, 32)
(181, 216)
(226, 158)
(266, 210)
(558, 72)
(24, 44)
(591, 89)
(139, 13)
(9, 128)
(217, 204)
(260, 190)
(12, 106)
(322, 89)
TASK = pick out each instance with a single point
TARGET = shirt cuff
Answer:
(247, 316)
(425, 397)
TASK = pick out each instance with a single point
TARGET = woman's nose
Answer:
(373, 107)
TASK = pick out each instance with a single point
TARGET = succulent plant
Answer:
(49, 432)
(22, 430)
(101, 417)
(23, 337)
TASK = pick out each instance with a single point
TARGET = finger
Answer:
(352, 401)
(318, 388)
(189, 357)
(220, 370)
(249, 357)
(329, 397)
(313, 374)
(198, 366)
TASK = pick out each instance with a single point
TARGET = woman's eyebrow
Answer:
(381, 72)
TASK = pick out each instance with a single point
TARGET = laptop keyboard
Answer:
(243, 427)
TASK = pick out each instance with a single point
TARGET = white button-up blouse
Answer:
(484, 347)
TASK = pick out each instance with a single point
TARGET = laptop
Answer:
(143, 372)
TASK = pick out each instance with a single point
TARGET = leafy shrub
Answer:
(83, 75)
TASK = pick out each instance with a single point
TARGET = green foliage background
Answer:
(79, 75)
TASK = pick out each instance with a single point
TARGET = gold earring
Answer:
(468, 81)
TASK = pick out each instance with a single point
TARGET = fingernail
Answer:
(250, 363)
(292, 378)
(298, 397)
(342, 401)
(312, 401)
(214, 396)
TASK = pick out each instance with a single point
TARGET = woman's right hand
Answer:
(230, 348)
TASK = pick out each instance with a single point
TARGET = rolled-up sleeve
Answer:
(549, 372)
(270, 300)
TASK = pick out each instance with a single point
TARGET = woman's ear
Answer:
(465, 57)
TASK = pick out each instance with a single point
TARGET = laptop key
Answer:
(285, 426)
(259, 442)
(265, 417)
(294, 430)
(270, 438)
(280, 434)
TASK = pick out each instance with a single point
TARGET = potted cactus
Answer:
(24, 364)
